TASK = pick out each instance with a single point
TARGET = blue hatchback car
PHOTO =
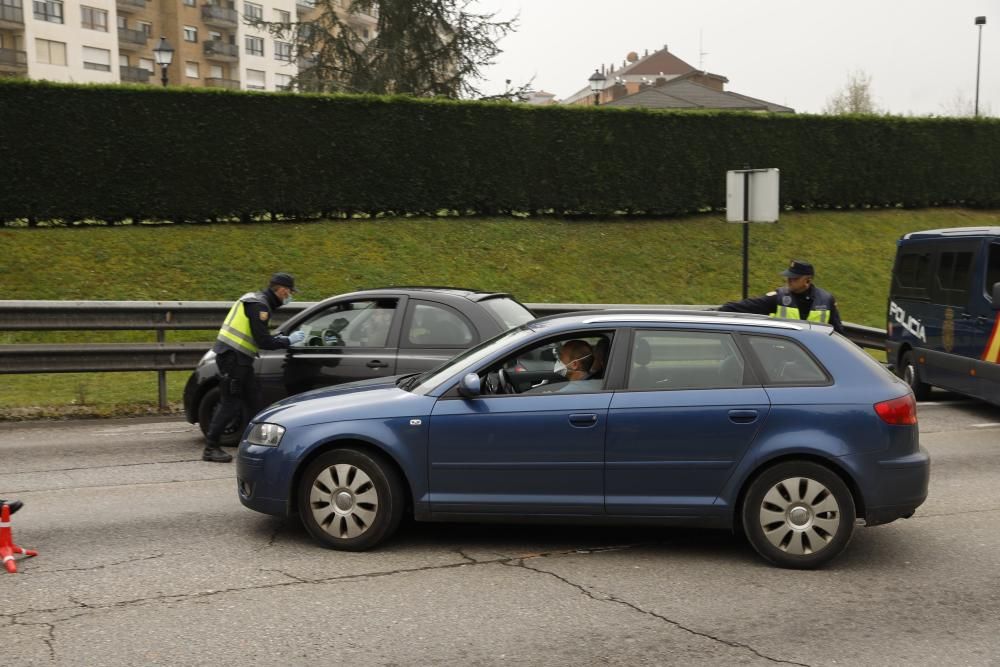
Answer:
(782, 429)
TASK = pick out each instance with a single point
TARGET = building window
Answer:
(282, 82)
(214, 36)
(94, 19)
(146, 64)
(49, 10)
(122, 22)
(146, 27)
(190, 34)
(255, 80)
(282, 16)
(283, 51)
(255, 46)
(190, 3)
(50, 53)
(123, 60)
(253, 11)
(216, 72)
(191, 70)
(96, 59)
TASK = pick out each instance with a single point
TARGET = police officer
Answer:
(243, 332)
(798, 299)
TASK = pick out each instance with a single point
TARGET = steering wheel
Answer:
(506, 386)
(491, 384)
(332, 338)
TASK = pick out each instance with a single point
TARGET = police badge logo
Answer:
(948, 330)
(786, 300)
(263, 316)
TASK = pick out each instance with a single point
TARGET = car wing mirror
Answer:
(996, 296)
(470, 387)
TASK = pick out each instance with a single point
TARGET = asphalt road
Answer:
(147, 557)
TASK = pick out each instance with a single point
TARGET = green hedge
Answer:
(116, 152)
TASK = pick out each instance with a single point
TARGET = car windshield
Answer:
(427, 382)
(509, 312)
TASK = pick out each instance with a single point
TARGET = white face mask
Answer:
(287, 300)
(559, 368)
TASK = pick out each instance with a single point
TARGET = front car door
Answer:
(690, 409)
(522, 448)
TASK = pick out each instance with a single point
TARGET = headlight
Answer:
(207, 357)
(268, 435)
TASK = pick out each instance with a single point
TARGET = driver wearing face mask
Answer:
(575, 360)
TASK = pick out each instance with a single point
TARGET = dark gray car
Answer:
(363, 335)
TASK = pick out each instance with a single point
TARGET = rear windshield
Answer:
(508, 312)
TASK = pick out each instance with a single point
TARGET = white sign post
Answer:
(751, 196)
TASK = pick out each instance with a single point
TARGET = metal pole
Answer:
(161, 376)
(979, 53)
(163, 74)
(746, 233)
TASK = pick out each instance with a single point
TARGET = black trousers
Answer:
(240, 395)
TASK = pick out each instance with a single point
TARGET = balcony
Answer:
(131, 40)
(12, 61)
(303, 6)
(221, 52)
(219, 17)
(134, 74)
(11, 17)
(228, 84)
(130, 6)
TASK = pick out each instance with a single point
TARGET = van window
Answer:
(953, 277)
(993, 269)
(913, 275)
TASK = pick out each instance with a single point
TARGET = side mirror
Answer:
(469, 387)
(996, 296)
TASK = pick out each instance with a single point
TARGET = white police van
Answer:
(943, 328)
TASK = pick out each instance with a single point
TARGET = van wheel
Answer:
(910, 374)
(209, 405)
(798, 515)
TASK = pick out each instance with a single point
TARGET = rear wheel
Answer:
(350, 500)
(209, 405)
(798, 515)
(910, 374)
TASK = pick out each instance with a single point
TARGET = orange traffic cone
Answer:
(7, 547)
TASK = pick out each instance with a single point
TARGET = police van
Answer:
(943, 328)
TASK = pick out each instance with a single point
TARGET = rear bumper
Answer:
(896, 487)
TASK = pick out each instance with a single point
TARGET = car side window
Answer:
(436, 326)
(993, 268)
(785, 362)
(665, 360)
(351, 324)
(570, 364)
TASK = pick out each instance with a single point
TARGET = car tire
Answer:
(910, 374)
(350, 500)
(798, 515)
(206, 410)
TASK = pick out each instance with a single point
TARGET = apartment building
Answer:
(111, 41)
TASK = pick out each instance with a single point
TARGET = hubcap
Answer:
(343, 501)
(910, 374)
(800, 516)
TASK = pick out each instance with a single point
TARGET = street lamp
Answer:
(164, 55)
(597, 85)
(980, 21)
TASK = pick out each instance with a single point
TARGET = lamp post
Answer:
(164, 55)
(980, 21)
(597, 85)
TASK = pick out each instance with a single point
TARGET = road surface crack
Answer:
(116, 465)
(99, 567)
(604, 597)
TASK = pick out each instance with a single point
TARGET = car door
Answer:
(952, 339)
(519, 453)
(432, 333)
(345, 341)
(688, 413)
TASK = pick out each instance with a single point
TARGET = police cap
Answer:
(798, 268)
(284, 280)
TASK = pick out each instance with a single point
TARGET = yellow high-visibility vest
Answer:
(235, 331)
(822, 302)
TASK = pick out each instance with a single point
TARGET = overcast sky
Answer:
(921, 54)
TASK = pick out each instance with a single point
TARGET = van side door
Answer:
(986, 384)
(950, 362)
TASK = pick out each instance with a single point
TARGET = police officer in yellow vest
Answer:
(243, 332)
(799, 299)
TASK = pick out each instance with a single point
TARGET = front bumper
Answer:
(263, 479)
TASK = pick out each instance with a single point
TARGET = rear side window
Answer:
(663, 360)
(993, 269)
(953, 278)
(785, 362)
(508, 311)
(912, 275)
(437, 326)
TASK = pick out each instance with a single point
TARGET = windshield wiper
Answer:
(407, 381)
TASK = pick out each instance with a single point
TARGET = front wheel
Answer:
(209, 405)
(910, 374)
(798, 515)
(350, 500)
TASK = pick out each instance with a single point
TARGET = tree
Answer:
(854, 98)
(962, 105)
(419, 47)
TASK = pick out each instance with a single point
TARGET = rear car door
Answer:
(689, 411)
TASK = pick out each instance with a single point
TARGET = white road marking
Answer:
(987, 425)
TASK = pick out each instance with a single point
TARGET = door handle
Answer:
(743, 416)
(583, 420)
(375, 363)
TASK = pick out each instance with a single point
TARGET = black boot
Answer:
(214, 453)
(14, 505)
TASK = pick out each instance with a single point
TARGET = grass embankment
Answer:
(690, 260)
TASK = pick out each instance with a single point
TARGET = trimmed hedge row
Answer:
(115, 152)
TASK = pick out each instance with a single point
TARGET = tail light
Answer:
(898, 411)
